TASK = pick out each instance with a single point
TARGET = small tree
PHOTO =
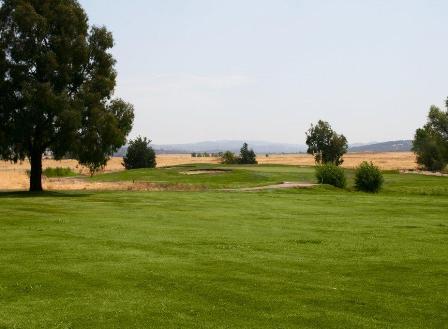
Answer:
(325, 144)
(431, 142)
(139, 154)
(229, 157)
(247, 156)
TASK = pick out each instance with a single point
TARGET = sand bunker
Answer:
(285, 185)
(423, 172)
(205, 171)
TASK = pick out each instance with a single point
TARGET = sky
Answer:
(200, 70)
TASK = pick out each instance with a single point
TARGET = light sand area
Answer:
(284, 185)
(14, 176)
(424, 172)
(206, 172)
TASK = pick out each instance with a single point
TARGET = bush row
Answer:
(368, 177)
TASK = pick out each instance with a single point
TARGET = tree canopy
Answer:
(139, 154)
(247, 156)
(431, 142)
(228, 157)
(57, 78)
(325, 144)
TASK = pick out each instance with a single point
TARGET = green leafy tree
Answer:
(431, 142)
(139, 154)
(56, 80)
(247, 156)
(229, 157)
(325, 144)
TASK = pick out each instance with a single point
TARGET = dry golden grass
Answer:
(385, 160)
(113, 165)
(166, 160)
(74, 184)
(14, 177)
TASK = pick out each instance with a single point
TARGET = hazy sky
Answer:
(264, 70)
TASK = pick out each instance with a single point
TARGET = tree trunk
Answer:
(36, 172)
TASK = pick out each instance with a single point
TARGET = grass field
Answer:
(230, 177)
(311, 258)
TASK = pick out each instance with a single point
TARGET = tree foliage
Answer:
(57, 77)
(331, 174)
(247, 156)
(229, 157)
(325, 144)
(368, 178)
(431, 142)
(139, 154)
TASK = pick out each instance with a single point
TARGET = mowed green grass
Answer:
(232, 177)
(319, 258)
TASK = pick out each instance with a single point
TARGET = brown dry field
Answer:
(14, 177)
(385, 160)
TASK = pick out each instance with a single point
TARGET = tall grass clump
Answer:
(58, 172)
(331, 174)
(368, 178)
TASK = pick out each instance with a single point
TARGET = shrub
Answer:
(368, 178)
(331, 174)
(58, 172)
(229, 158)
(139, 154)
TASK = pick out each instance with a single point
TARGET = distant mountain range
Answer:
(392, 146)
(231, 145)
(261, 147)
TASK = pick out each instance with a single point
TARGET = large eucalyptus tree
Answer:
(57, 79)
